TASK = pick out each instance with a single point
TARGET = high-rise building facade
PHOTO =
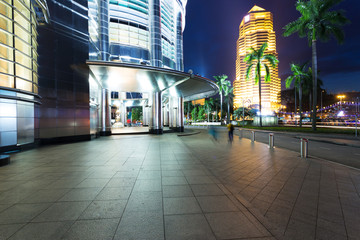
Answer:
(61, 59)
(255, 29)
(147, 32)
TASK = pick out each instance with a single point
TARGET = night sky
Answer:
(212, 29)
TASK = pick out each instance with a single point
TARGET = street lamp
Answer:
(321, 104)
(341, 97)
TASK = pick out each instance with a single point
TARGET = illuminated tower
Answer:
(255, 29)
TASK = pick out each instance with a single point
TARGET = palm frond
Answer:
(248, 70)
(267, 75)
(271, 58)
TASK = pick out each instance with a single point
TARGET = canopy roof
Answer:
(124, 77)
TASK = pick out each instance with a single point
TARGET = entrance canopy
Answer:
(126, 77)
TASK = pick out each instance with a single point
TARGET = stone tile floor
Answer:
(167, 187)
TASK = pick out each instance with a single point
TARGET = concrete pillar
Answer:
(180, 114)
(156, 124)
(122, 110)
(166, 114)
(105, 113)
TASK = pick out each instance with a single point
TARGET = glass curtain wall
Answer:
(18, 72)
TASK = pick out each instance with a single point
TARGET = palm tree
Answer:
(308, 85)
(207, 106)
(221, 81)
(258, 59)
(229, 95)
(317, 22)
(299, 73)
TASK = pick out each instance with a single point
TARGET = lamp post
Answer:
(321, 102)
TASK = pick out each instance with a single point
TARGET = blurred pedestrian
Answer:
(213, 133)
(230, 132)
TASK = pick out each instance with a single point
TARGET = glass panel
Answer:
(5, 10)
(35, 78)
(21, 33)
(36, 89)
(22, 46)
(6, 67)
(23, 72)
(6, 52)
(22, 59)
(21, 8)
(6, 81)
(23, 85)
(5, 23)
(22, 21)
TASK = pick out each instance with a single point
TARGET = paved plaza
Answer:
(170, 187)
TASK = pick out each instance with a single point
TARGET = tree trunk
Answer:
(314, 69)
(300, 103)
(295, 106)
(228, 110)
(260, 96)
(221, 100)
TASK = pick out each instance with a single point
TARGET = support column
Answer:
(156, 124)
(180, 115)
(105, 113)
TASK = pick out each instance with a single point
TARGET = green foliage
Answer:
(194, 114)
(317, 21)
(136, 113)
(201, 114)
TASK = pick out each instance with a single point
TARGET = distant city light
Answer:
(340, 114)
(246, 18)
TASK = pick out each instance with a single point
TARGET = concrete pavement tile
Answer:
(172, 173)
(22, 213)
(148, 185)
(216, 204)
(180, 180)
(261, 205)
(298, 230)
(145, 201)
(42, 231)
(199, 179)
(325, 234)
(81, 194)
(304, 216)
(92, 229)
(177, 191)
(141, 225)
(93, 183)
(104, 209)
(5, 206)
(45, 195)
(232, 225)
(181, 205)
(206, 190)
(149, 175)
(194, 226)
(108, 193)
(338, 228)
(122, 182)
(126, 174)
(7, 230)
(62, 211)
(65, 183)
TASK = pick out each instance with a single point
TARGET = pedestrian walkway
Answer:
(170, 187)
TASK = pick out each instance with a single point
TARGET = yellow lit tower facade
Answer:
(255, 29)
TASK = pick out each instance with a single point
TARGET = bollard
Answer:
(304, 147)
(253, 136)
(271, 140)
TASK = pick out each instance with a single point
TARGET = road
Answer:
(347, 155)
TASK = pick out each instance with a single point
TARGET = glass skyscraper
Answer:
(255, 29)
